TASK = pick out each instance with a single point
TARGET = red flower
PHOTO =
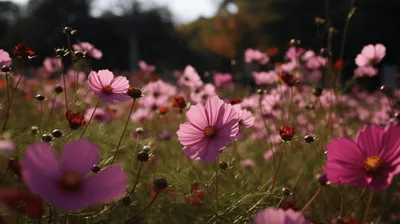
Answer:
(75, 120)
(24, 202)
(339, 64)
(287, 78)
(163, 110)
(179, 102)
(289, 205)
(286, 133)
(272, 51)
(234, 101)
(196, 197)
(22, 51)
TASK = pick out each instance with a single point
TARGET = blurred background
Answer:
(211, 35)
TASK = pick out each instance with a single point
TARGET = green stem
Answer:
(137, 179)
(368, 207)
(277, 168)
(10, 103)
(144, 209)
(91, 118)
(312, 199)
(357, 200)
(304, 169)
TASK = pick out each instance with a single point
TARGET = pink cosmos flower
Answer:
(222, 79)
(108, 88)
(268, 154)
(100, 115)
(370, 161)
(146, 67)
(248, 163)
(7, 146)
(252, 55)
(279, 216)
(142, 114)
(68, 183)
(52, 65)
(371, 55)
(246, 119)
(293, 52)
(89, 48)
(265, 78)
(4, 58)
(365, 71)
(209, 130)
(203, 94)
(190, 78)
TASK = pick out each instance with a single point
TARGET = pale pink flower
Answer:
(52, 65)
(190, 78)
(89, 48)
(279, 216)
(222, 79)
(202, 95)
(248, 163)
(252, 55)
(265, 78)
(209, 129)
(246, 119)
(4, 58)
(146, 67)
(7, 146)
(108, 88)
(368, 71)
(370, 55)
(99, 115)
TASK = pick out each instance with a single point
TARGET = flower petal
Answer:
(214, 110)
(196, 115)
(79, 156)
(370, 139)
(189, 134)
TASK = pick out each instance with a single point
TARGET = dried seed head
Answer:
(143, 156)
(223, 165)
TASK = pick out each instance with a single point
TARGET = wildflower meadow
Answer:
(303, 145)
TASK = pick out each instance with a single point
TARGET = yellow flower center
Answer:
(209, 131)
(372, 164)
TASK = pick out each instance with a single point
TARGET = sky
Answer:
(182, 10)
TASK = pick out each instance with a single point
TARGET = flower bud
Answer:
(61, 52)
(317, 92)
(34, 130)
(143, 156)
(309, 138)
(79, 54)
(40, 97)
(96, 169)
(58, 89)
(286, 192)
(69, 31)
(146, 148)
(126, 200)
(260, 92)
(47, 138)
(56, 133)
(135, 93)
(386, 90)
(322, 179)
(6, 69)
(139, 130)
(160, 184)
(223, 165)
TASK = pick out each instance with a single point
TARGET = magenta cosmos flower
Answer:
(68, 183)
(209, 130)
(108, 88)
(370, 161)
(370, 55)
(279, 216)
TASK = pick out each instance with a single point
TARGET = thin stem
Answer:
(304, 168)
(73, 67)
(4, 175)
(91, 118)
(390, 104)
(279, 164)
(358, 200)
(312, 199)
(65, 84)
(143, 210)
(51, 111)
(10, 103)
(40, 118)
(216, 184)
(123, 131)
(341, 201)
(8, 89)
(266, 129)
(368, 207)
(137, 179)
(290, 104)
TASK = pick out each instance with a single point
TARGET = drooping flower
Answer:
(68, 183)
(287, 78)
(22, 51)
(370, 55)
(89, 48)
(209, 129)
(75, 120)
(279, 216)
(370, 161)
(286, 133)
(179, 102)
(25, 202)
(108, 88)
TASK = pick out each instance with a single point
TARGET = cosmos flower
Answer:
(179, 102)
(368, 71)
(370, 161)
(67, 183)
(209, 130)
(100, 114)
(25, 202)
(287, 78)
(146, 67)
(265, 78)
(370, 55)
(75, 120)
(222, 79)
(246, 119)
(252, 55)
(89, 48)
(22, 51)
(108, 88)
(279, 216)
(286, 133)
(5, 59)
(190, 78)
